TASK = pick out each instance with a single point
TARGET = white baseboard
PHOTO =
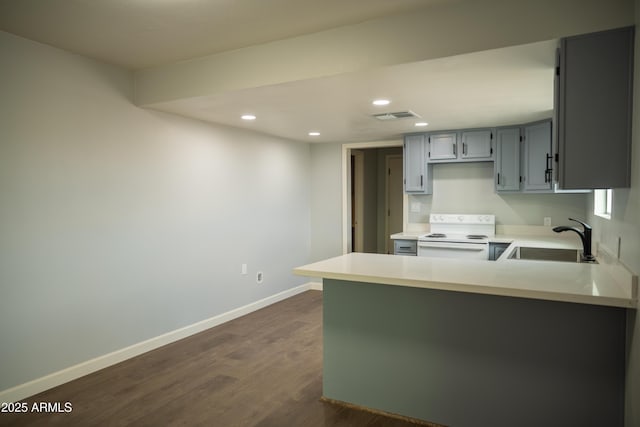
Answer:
(55, 379)
(316, 286)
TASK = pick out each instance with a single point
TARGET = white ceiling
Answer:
(498, 87)
(143, 33)
(493, 88)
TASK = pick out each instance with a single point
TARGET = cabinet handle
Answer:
(547, 171)
(421, 181)
(498, 178)
(464, 148)
(454, 149)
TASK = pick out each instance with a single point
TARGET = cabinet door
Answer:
(442, 146)
(405, 247)
(507, 165)
(537, 158)
(594, 100)
(417, 174)
(496, 249)
(476, 144)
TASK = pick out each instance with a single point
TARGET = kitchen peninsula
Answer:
(503, 343)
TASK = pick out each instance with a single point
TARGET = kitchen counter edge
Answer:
(603, 284)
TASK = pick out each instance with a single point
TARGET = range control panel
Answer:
(462, 219)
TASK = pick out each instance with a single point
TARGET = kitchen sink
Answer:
(548, 254)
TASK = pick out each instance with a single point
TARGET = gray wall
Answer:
(326, 201)
(119, 224)
(469, 188)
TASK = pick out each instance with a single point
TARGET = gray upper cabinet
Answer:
(459, 146)
(594, 109)
(507, 165)
(537, 159)
(443, 146)
(418, 175)
(477, 144)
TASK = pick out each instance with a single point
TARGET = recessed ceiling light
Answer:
(248, 117)
(314, 133)
(422, 124)
(381, 102)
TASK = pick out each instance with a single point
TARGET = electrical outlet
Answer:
(415, 207)
(259, 277)
(243, 269)
(547, 221)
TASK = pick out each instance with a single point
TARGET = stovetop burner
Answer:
(476, 236)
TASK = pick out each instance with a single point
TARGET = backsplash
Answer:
(468, 188)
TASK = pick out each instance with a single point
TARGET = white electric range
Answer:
(458, 236)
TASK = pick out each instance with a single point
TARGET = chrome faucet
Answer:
(585, 236)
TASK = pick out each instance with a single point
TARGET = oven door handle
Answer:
(460, 246)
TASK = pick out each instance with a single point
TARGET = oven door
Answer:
(468, 250)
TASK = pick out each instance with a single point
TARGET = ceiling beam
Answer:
(441, 30)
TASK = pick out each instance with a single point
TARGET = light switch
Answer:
(415, 207)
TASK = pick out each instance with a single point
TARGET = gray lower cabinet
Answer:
(496, 249)
(405, 247)
(593, 97)
(418, 176)
(537, 158)
(507, 164)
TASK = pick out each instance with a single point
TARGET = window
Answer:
(602, 202)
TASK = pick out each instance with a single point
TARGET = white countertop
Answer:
(608, 283)
(554, 240)
(408, 235)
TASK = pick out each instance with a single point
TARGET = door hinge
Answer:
(389, 171)
(557, 158)
(521, 138)
(389, 212)
(491, 150)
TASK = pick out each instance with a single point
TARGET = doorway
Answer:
(373, 197)
(357, 200)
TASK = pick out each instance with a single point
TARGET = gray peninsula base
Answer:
(464, 359)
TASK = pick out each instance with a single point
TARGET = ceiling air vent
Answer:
(396, 116)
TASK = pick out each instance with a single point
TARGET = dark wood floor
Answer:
(263, 369)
